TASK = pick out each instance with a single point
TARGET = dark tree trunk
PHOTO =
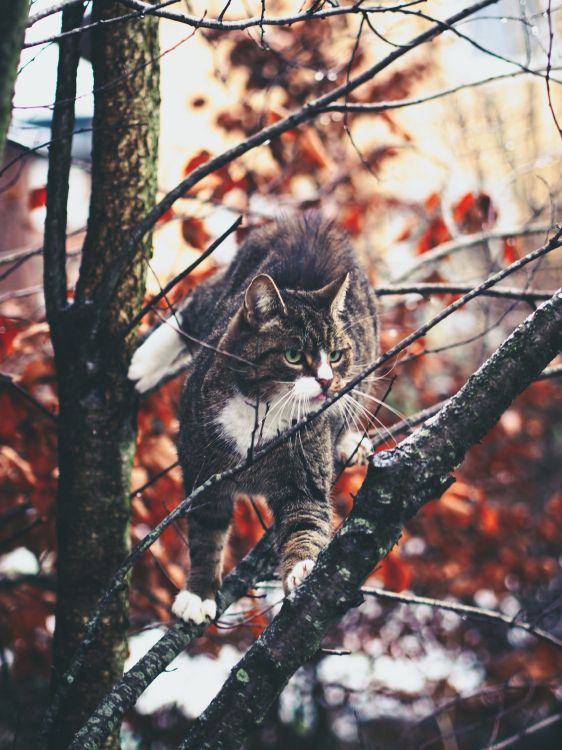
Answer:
(97, 424)
(14, 14)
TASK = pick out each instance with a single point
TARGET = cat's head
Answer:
(294, 341)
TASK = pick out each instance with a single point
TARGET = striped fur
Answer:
(293, 286)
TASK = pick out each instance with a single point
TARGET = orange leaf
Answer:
(395, 572)
(509, 252)
(434, 235)
(200, 158)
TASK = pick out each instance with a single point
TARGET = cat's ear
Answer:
(333, 294)
(263, 301)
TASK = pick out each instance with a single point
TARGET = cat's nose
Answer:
(325, 383)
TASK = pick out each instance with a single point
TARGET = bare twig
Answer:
(534, 295)
(377, 107)
(8, 380)
(182, 275)
(466, 611)
(142, 9)
(527, 732)
(462, 243)
(51, 10)
(549, 67)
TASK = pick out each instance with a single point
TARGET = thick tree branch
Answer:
(399, 482)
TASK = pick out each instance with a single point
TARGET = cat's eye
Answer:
(336, 355)
(293, 356)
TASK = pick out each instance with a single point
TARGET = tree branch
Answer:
(14, 15)
(399, 482)
(462, 243)
(465, 611)
(54, 253)
(529, 295)
(184, 507)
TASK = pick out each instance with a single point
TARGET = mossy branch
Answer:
(399, 482)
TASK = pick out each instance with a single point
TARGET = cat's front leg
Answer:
(208, 528)
(353, 448)
(303, 529)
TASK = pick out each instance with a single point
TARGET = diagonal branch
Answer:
(466, 241)
(399, 482)
(120, 576)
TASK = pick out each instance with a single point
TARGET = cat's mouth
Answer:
(321, 397)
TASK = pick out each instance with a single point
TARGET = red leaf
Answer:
(166, 216)
(473, 213)
(200, 158)
(509, 252)
(194, 233)
(37, 198)
(434, 235)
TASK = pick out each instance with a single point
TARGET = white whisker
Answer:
(381, 403)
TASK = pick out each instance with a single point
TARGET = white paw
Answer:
(298, 574)
(191, 608)
(152, 359)
(353, 448)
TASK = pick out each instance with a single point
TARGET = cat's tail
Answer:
(161, 356)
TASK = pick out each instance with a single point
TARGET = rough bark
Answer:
(398, 483)
(14, 15)
(97, 424)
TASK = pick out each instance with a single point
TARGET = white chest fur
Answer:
(244, 423)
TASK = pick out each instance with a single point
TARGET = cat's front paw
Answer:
(191, 608)
(297, 575)
(353, 448)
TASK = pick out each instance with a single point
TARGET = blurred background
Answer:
(459, 176)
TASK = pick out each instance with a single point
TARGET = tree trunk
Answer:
(14, 14)
(97, 425)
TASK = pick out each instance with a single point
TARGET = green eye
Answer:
(293, 356)
(336, 355)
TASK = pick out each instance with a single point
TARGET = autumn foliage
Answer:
(493, 538)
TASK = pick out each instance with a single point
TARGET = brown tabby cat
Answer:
(289, 323)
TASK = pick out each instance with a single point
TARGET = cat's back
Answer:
(300, 252)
